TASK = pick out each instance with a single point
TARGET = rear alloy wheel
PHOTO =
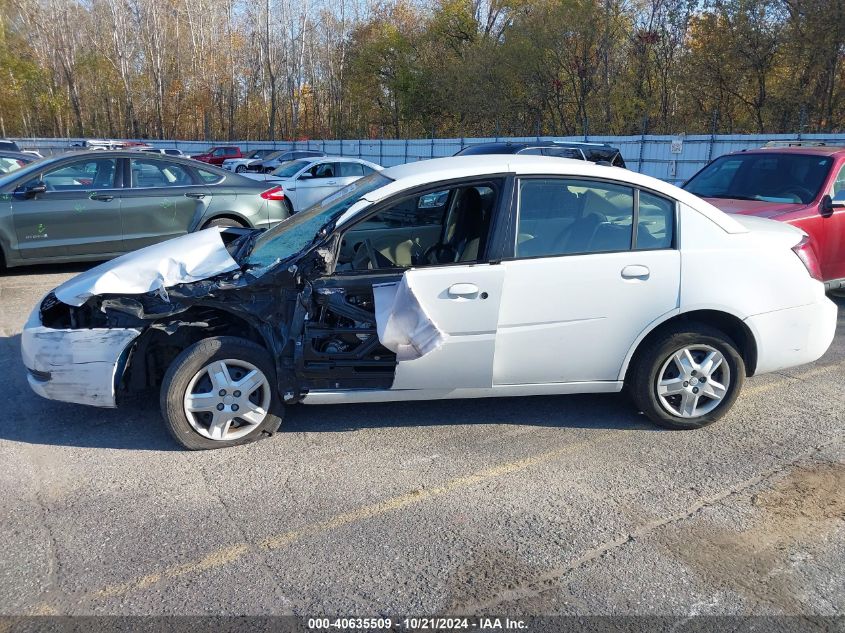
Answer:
(219, 392)
(687, 378)
(224, 222)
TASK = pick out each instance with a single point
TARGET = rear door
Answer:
(78, 215)
(161, 201)
(582, 285)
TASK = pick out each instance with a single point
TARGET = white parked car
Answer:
(305, 181)
(239, 165)
(168, 151)
(456, 278)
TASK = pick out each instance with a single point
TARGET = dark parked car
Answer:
(84, 206)
(9, 146)
(273, 160)
(803, 185)
(594, 152)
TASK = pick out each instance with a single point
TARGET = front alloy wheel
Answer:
(220, 392)
(227, 399)
(686, 376)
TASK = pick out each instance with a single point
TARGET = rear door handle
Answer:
(636, 271)
(197, 196)
(101, 197)
(467, 291)
(332, 182)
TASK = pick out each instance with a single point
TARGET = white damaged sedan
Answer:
(456, 278)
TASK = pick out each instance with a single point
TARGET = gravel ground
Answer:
(564, 505)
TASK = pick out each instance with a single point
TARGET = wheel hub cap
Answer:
(227, 399)
(693, 381)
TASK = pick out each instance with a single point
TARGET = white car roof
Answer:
(431, 171)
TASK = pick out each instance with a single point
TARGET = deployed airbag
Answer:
(401, 322)
(185, 259)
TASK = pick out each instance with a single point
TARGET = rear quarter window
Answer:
(209, 176)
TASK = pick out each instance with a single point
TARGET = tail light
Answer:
(276, 193)
(807, 255)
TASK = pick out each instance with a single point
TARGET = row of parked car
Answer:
(87, 206)
(504, 272)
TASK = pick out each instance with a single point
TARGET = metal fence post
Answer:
(642, 144)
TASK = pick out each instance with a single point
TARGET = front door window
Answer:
(445, 226)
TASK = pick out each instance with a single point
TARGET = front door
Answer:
(161, 202)
(317, 182)
(580, 289)
(833, 230)
(463, 303)
(78, 214)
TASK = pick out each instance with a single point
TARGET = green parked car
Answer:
(95, 205)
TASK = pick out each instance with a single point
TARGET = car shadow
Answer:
(49, 269)
(137, 424)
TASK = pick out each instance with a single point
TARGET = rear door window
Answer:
(350, 170)
(150, 174)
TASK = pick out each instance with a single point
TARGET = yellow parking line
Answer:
(226, 555)
(811, 373)
(221, 557)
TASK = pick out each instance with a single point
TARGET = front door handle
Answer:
(463, 290)
(196, 196)
(332, 182)
(101, 197)
(636, 271)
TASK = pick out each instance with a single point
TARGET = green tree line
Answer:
(279, 69)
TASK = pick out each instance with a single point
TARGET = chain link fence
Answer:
(670, 158)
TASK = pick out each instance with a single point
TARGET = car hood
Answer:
(759, 208)
(185, 259)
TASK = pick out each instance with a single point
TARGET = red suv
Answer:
(800, 184)
(216, 155)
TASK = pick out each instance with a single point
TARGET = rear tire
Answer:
(688, 376)
(224, 222)
(221, 392)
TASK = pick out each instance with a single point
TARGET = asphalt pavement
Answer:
(564, 505)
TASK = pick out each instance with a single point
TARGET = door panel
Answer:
(323, 181)
(78, 215)
(833, 229)
(468, 315)
(574, 318)
(161, 204)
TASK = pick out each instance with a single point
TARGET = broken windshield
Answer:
(298, 231)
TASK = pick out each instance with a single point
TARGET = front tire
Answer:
(240, 169)
(687, 377)
(221, 392)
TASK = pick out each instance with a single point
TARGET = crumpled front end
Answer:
(74, 365)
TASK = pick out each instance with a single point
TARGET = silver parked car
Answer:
(306, 181)
(89, 206)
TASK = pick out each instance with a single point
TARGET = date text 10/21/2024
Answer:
(417, 624)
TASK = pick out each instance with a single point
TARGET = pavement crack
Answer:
(548, 580)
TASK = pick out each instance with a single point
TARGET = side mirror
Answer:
(827, 206)
(305, 176)
(33, 190)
